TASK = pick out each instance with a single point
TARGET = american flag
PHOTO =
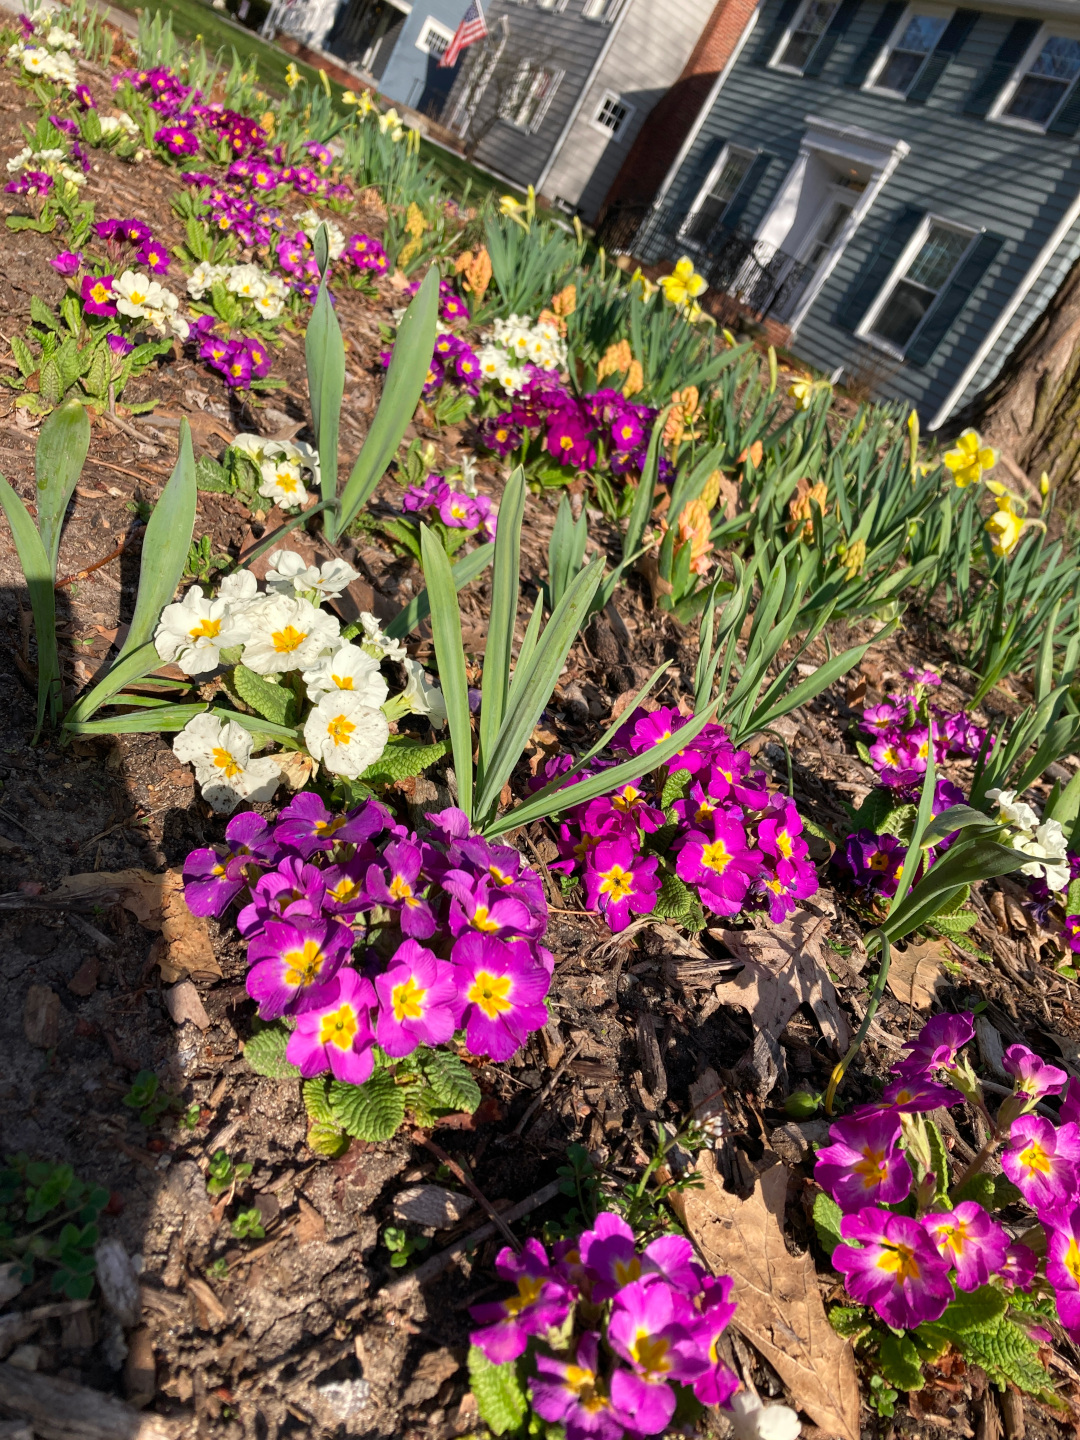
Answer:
(473, 27)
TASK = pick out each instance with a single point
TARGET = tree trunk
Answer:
(1031, 411)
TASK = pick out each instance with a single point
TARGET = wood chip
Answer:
(184, 1005)
(61, 1410)
(41, 1017)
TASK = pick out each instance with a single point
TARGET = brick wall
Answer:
(668, 123)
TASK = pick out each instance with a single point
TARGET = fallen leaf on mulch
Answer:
(311, 1226)
(156, 901)
(41, 1017)
(784, 967)
(297, 770)
(916, 973)
(780, 1310)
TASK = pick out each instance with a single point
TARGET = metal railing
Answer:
(760, 279)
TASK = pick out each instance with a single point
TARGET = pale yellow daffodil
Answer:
(1004, 527)
(389, 120)
(683, 285)
(292, 76)
(969, 459)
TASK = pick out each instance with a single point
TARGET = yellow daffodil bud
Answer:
(292, 76)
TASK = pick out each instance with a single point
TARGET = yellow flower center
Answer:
(339, 1028)
(899, 1260)
(482, 920)
(617, 882)
(491, 993)
(343, 682)
(627, 1271)
(329, 827)
(1071, 1260)
(302, 967)
(872, 1168)
(566, 442)
(627, 799)
(340, 729)
(529, 1288)
(650, 1352)
(343, 891)
(99, 294)
(205, 630)
(716, 856)
(499, 877)
(226, 761)
(288, 640)
(784, 844)
(407, 1000)
(1035, 1159)
(400, 889)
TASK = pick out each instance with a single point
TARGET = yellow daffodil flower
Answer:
(645, 288)
(969, 459)
(1004, 527)
(292, 76)
(801, 391)
(683, 285)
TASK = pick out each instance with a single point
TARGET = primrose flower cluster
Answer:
(463, 509)
(45, 52)
(445, 929)
(276, 632)
(908, 1266)
(648, 1329)
(515, 344)
(282, 465)
(37, 172)
(724, 835)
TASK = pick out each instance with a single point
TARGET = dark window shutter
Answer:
(1010, 52)
(841, 21)
(698, 173)
(947, 49)
(878, 268)
(745, 193)
(784, 16)
(887, 22)
(953, 298)
(1067, 120)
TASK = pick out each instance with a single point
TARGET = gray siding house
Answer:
(898, 183)
(557, 94)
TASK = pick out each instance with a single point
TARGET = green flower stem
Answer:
(871, 1010)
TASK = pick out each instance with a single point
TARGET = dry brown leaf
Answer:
(780, 1310)
(297, 769)
(784, 967)
(311, 1225)
(156, 901)
(915, 974)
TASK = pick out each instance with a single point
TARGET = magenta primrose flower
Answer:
(293, 891)
(1063, 1268)
(574, 1395)
(655, 1331)
(718, 1383)
(1018, 1268)
(479, 905)
(938, 1042)
(402, 891)
(1033, 1077)
(97, 295)
(896, 1268)
(418, 1001)
(968, 1240)
(916, 1094)
(720, 865)
(864, 1165)
(154, 256)
(619, 879)
(213, 877)
(503, 988)
(542, 1302)
(1042, 1161)
(291, 962)
(335, 1033)
(306, 825)
(67, 262)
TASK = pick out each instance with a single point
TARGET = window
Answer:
(613, 115)
(600, 9)
(907, 55)
(434, 38)
(530, 95)
(717, 195)
(1052, 68)
(801, 40)
(922, 275)
(828, 232)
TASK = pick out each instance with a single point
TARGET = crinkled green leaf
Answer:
(327, 1140)
(273, 702)
(402, 759)
(450, 1079)
(499, 1396)
(265, 1053)
(372, 1111)
(827, 1218)
(316, 1100)
(675, 787)
(900, 1362)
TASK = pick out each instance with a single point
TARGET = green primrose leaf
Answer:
(402, 759)
(273, 702)
(827, 1218)
(372, 1111)
(900, 1362)
(450, 1079)
(265, 1053)
(497, 1388)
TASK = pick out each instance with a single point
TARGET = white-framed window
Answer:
(910, 46)
(1042, 80)
(800, 39)
(530, 95)
(600, 9)
(434, 38)
(920, 275)
(717, 193)
(612, 115)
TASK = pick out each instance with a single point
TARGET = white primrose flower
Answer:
(298, 451)
(289, 573)
(203, 278)
(346, 734)
(193, 632)
(751, 1420)
(246, 281)
(468, 473)
(138, 294)
(64, 69)
(240, 590)
(287, 634)
(58, 39)
(1047, 846)
(423, 697)
(348, 668)
(221, 754)
(47, 155)
(18, 162)
(309, 223)
(253, 446)
(335, 576)
(72, 176)
(36, 60)
(376, 642)
(282, 483)
(491, 361)
(1012, 811)
(269, 306)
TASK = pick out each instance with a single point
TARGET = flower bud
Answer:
(802, 1105)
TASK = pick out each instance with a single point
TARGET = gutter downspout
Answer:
(613, 30)
(1038, 265)
(710, 101)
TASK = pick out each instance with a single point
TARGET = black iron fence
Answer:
(762, 281)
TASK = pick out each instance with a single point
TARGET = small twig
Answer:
(438, 1263)
(549, 1085)
(8, 816)
(473, 1189)
(112, 555)
(91, 932)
